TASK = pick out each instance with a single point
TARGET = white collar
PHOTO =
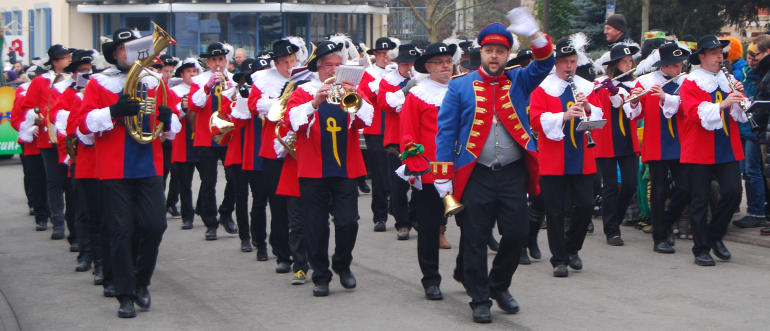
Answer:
(270, 82)
(393, 77)
(111, 79)
(430, 92)
(554, 86)
(312, 86)
(709, 81)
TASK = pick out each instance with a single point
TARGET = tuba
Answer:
(350, 102)
(137, 90)
(276, 113)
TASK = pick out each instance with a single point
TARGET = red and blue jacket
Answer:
(662, 118)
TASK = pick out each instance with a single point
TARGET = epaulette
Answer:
(460, 75)
(513, 67)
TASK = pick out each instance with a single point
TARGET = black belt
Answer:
(495, 167)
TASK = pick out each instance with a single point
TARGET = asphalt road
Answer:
(201, 285)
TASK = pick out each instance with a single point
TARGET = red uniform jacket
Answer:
(327, 138)
(368, 88)
(267, 87)
(60, 112)
(390, 100)
(120, 157)
(561, 149)
(201, 103)
(710, 134)
(419, 115)
(43, 94)
(618, 137)
(182, 149)
(18, 117)
(662, 118)
(86, 153)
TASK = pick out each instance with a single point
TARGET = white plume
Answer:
(645, 65)
(99, 63)
(579, 41)
(302, 54)
(458, 52)
(230, 52)
(348, 51)
(393, 53)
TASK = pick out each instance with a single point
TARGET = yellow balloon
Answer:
(7, 95)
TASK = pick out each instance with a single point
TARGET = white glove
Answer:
(280, 151)
(522, 22)
(443, 188)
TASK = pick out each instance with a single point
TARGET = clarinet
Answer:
(590, 143)
(744, 103)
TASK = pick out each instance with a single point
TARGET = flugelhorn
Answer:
(135, 125)
(636, 97)
(350, 102)
(745, 104)
(218, 125)
(276, 113)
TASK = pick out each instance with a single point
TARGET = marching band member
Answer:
(328, 161)
(418, 141)
(384, 50)
(258, 148)
(130, 175)
(567, 166)
(390, 99)
(711, 146)
(168, 65)
(617, 143)
(31, 160)
(184, 157)
(485, 151)
(206, 98)
(41, 95)
(661, 148)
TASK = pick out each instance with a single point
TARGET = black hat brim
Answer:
(66, 51)
(401, 58)
(419, 64)
(694, 56)
(633, 49)
(178, 71)
(675, 60)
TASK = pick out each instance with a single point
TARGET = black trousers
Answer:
(297, 237)
(729, 178)
(34, 172)
(376, 163)
(315, 194)
(27, 179)
(399, 203)
(168, 168)
(279, 217)
(105, 236)
(135, 210)
(555, 190)
(662, 218)
(430, 216)
(56, 180)
(614, 201)
(207, 201)
(184, 174)
(89, 221)
(489, 197)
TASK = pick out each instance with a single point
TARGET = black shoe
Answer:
(764, 231)
(534, 251)
(615, 241)
(347, 280)
(705, 260)
(126, 309)
(720, 250)
(363, 186)
(670, 239)
(262, 252)
(560, 271)
(58, 233)
(379, 226)
(524, 258)
(321, 290)
(173, 211)
(143, 297)
(663, 247)
(402, 234)
(41, 225)
(481, 314)
(505, 301)
(74, 247)
(246, 246)
(749, 221)
(83, 265)
(110, 291)
(226, 220)
(575, 262)
(590, 228)
(492, 243)
(283, 267)
(187, 225)
(211, 233)
(433, 293)
(98, 275)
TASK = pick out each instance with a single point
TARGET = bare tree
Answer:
(436, 11)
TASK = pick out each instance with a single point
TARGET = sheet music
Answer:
(139, 49)
(348, 73)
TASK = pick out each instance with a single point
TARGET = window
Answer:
(40, 31)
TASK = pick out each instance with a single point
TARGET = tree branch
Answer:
(443, 14)
(411, 6)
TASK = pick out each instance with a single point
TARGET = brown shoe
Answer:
(442, 242)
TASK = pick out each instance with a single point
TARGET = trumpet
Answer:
(350, 102)
(745, 104)
(636, 97)
(137, 90)
(590, 143)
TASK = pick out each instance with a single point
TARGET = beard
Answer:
(493, 73)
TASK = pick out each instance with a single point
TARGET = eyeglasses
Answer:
(447, 62)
